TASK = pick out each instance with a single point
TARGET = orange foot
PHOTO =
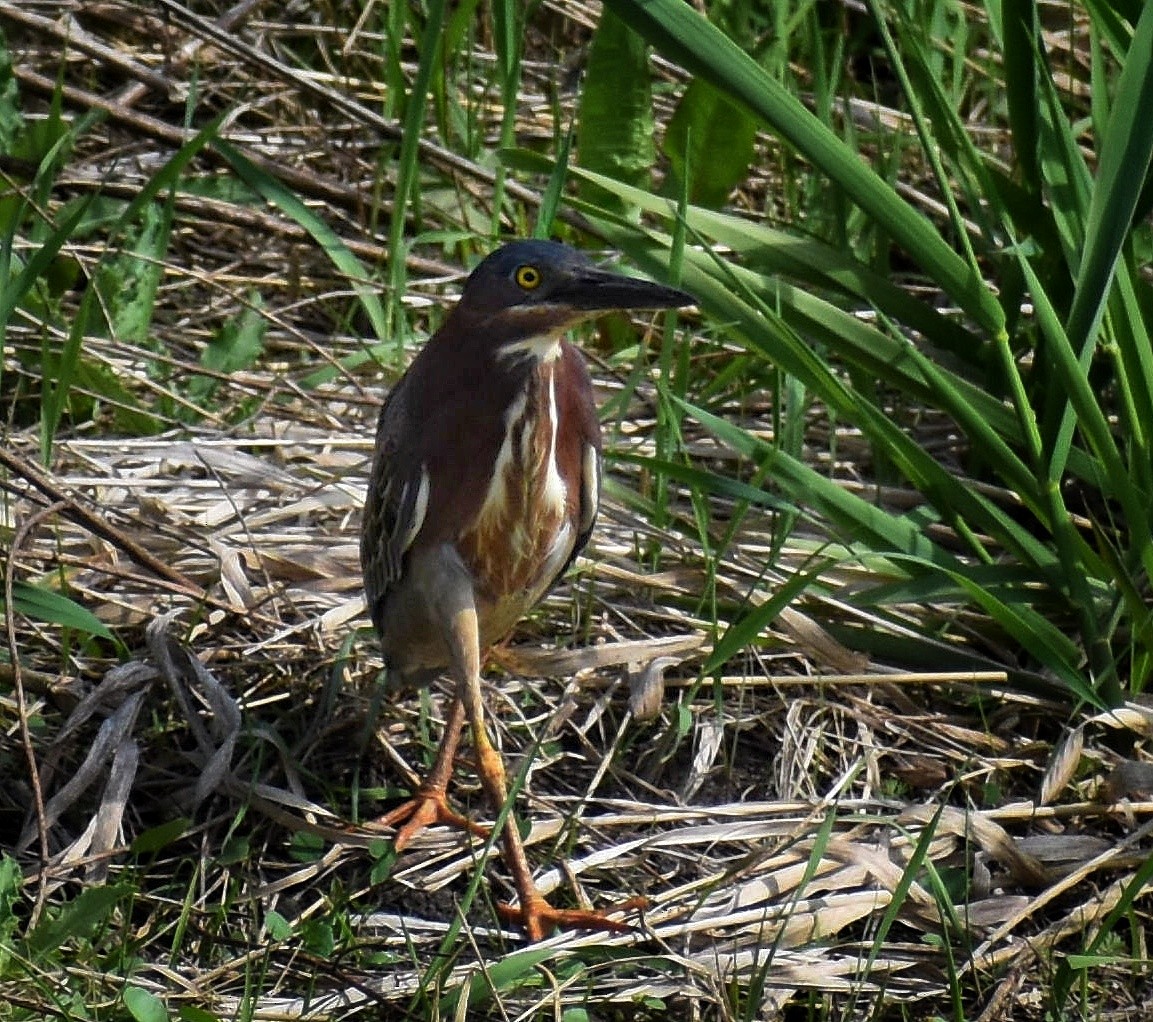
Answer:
(538, 918)
(427, 807)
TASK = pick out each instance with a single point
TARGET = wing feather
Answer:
(581, 431)
(394, 511)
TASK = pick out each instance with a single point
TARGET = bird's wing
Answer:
(395, 508)
(590, 493)
(580, 414)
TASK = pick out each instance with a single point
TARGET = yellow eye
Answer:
(527, 277)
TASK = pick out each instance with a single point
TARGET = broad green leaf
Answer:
(11, 881)
(710, 142)
(319, 936)
(95, 383)
(237, 345)
(615, 119)
(129, 281)
(144, 1006)
(277, 926)
(42, 604)
(160, 836)
(81, 917)
(498, 977)
(240, 341)
(11, 117)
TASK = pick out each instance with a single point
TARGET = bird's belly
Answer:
(517, 545)
(502, 591)
(514, 558)
(504, 597)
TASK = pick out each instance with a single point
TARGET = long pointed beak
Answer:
(594, 290)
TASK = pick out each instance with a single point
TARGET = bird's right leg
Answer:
(429, 804)
(437, 580)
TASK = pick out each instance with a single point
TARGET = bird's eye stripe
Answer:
(528, 277)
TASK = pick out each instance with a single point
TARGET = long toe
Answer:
(539, 919)
(427, 808)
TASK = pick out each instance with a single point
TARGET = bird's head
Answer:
(528, 293)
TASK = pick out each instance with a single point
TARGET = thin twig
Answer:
(67, 32)
(72, 509)
(22, 532)
(229, 22)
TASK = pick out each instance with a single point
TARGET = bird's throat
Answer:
(542, 348)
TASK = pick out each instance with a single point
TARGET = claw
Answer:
(429, 806)
(538, 918)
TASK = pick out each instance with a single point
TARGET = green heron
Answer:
(484, 487)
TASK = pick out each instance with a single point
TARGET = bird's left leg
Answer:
(535, 914)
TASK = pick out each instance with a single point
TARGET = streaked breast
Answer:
(523, 535)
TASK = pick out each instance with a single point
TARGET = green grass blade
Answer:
(1019, 27)
(508, 25)
(330, 242)
(865, 522)
(1126, 150)
(732, 298)
(42, 604)
(554, 190)
(1072, 379)
(1047, 643)
(744, 631)
(772, 251)
(59, 373)
(689, 39)
(945, 133)
(1065, 177)
(14, 291)
(431, 57)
